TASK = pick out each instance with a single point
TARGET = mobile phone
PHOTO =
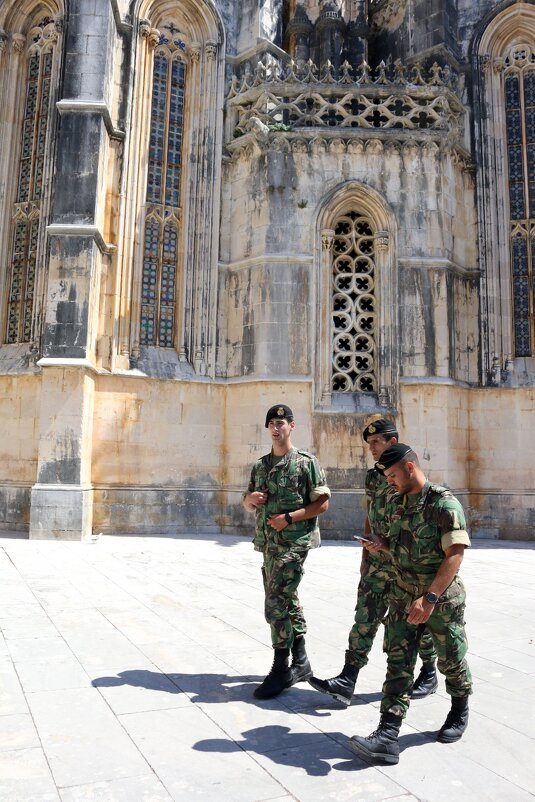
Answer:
(364, 538)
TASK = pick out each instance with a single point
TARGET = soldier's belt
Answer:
(415, 589)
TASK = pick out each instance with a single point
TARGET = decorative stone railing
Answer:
(286, 97)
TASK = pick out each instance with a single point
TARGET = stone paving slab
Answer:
(127, 667)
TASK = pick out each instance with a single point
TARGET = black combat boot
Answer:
(279, 678)
(426, 682)
(340, 687)
(456, 721)
(382, 745)
(301, 668)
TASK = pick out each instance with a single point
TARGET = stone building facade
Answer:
(210, 206)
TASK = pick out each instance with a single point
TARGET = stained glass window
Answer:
(162, 210)
(27, 210)
(353, 305)
(519, 85)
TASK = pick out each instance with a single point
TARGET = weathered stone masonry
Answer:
(208, 207)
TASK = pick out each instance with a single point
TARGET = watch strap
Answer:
(288, 518)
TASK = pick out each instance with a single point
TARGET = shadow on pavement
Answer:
(310, 752)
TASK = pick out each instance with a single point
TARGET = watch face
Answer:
(432, 598)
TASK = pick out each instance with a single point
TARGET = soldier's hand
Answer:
(258, 498)
(419, 611)
(277, 522)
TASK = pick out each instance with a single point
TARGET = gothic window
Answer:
(519, 83)
(162, 211)
(353, 305)
(27, 209)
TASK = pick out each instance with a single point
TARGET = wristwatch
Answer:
(288, 518)
(431, 597)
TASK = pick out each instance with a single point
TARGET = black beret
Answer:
(381, 426)
(391, 455)
(279, 411)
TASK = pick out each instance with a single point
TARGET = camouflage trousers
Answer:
(446, 625)
(372, 606)
(282, 572)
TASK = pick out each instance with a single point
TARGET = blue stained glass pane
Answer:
(516, 163)
(520, 256)
(149, 282)
(157, 128)
(518, 205)
(521, 296)
(514, 127)
(512, 92)
(529, 88)
(174, 137)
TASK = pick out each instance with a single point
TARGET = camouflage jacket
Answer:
(421, 528)
(291, 484)
(378, 491)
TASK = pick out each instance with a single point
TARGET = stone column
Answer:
(61, 501)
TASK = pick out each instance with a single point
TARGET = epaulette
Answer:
(304, 453)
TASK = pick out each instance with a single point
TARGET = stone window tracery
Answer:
(519, 93)
(354, 318)
(27, 209)
(162, 207)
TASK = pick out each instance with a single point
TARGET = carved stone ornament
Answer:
(327, 238)
(195, 53)
(18, 41)
(390, 14)
(383, 396)
(3, 40)
(210, 49)
(499, 65)
(382, 241)
(484, 63)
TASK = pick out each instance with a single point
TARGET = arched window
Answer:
(162, 207)
(358, 341)
(27, 210)
(353, 305)
(519, 89)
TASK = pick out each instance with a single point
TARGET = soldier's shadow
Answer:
(311, 751)
(217, 689)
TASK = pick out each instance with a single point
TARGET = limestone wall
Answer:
(19, 402)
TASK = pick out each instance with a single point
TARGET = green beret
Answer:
(279, 411)
(391, 455)
(381, 426)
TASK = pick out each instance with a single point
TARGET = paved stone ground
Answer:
(128, 665)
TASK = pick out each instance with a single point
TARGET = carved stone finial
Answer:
(327, 238)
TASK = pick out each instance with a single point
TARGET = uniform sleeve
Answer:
(317, 481)
(452, 525)
(252, 485)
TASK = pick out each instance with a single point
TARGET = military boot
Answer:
(279, 678)
(300, 668)
(382, 745)
(426, 682)
(341, 687)
(456, 721)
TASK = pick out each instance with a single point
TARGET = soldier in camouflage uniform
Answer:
(377, 575)
(426, 540)
(288, 491)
